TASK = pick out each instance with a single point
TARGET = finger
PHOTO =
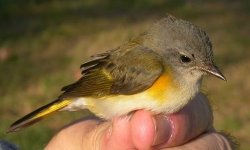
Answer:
(136, 132)
(147, 129)
(189, 122)
(118, 135)
(206, 141)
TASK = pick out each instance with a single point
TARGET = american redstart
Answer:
(160, 70)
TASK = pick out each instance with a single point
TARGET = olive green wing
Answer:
(126, 70)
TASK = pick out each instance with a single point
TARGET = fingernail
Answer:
(163, 129)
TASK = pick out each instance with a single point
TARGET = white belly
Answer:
(109, 107)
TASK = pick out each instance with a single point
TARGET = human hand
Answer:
(191, 128)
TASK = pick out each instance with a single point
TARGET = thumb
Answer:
(137, 131)
(95, 135)
(82, 135)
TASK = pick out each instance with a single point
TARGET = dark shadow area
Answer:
(29, 17)
(29, 20)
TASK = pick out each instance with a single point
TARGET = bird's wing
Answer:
(126, 70)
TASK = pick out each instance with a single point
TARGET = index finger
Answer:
(193, 120)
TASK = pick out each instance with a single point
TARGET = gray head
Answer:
(185, 48)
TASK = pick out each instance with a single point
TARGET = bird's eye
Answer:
(185, 59)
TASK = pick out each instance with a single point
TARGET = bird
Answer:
(160, 70)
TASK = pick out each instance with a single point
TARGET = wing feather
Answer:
(126, 70)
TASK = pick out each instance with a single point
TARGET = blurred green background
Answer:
(43, 43)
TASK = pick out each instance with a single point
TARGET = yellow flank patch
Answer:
(160, 87)
(53, 108)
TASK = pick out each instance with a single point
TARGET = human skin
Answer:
(190, 128)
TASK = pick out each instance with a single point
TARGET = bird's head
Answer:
(185, 48)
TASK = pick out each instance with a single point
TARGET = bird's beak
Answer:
(214, 70)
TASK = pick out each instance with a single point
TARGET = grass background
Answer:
(43, 43)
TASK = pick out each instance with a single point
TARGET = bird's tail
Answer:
(38, 114)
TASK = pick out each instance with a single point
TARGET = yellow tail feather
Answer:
(38, 114)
